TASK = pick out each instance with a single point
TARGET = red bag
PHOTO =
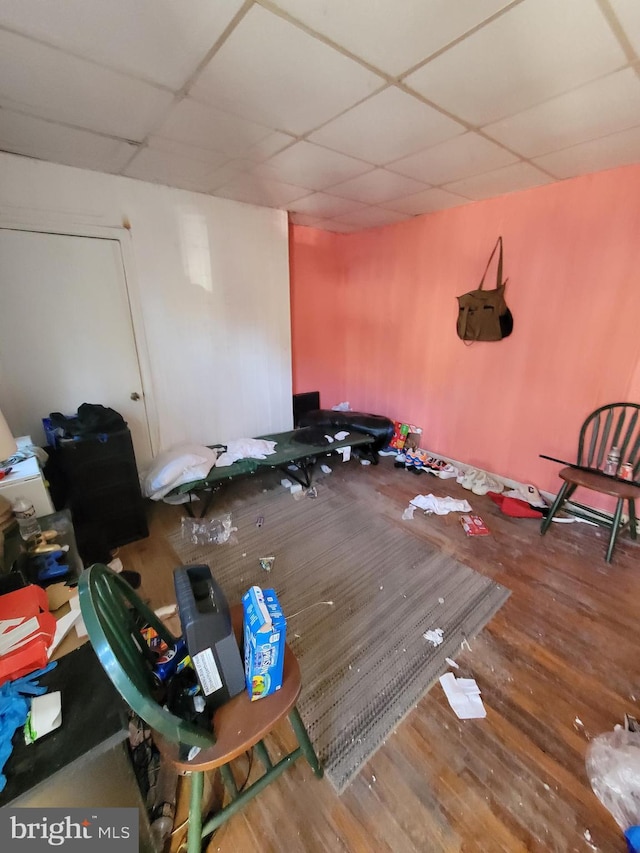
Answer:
(30, 601)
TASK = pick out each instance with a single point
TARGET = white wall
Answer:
(208, 280)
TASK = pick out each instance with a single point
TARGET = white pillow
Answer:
(181, 464)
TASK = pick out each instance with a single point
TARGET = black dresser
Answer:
(97, 479)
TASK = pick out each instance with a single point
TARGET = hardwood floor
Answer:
(558, 664)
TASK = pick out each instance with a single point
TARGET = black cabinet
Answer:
(100, 485)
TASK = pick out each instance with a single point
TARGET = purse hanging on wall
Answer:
(483, 314)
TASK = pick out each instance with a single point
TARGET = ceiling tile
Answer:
(377, 186)
(408, 126)
(308, 165)
(391, 36)
(154, 39)
(261, 191)
(597, 109)
(198, 124)
(371, 217)
(270, 145)
(325, 206)
(628, 14)
(171, 169)
(457, 158)
(534, 51)
(306, 220)
(619, 149)
(426, 201)
(46, 140)
(50, 84)
(519, 176)
(189, 152)
(231, 170)
(272, 72)
(338, 227)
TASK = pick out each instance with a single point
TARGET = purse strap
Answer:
(499, 277)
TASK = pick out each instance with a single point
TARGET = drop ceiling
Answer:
(348, 113)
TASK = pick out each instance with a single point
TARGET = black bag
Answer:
(92, 419)
(483, 314)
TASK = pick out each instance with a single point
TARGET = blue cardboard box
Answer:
(264, 641)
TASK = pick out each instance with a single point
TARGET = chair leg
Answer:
(615, 529)
(194, 837)
(305, 744)
(564, 494)
(263, 755)
(632, 518)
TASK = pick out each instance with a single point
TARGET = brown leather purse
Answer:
(483, 315)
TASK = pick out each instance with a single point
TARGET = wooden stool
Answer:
(112, 613)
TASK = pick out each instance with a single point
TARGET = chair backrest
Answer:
(113, 615)
(613, 425)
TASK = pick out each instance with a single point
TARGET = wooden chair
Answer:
(113, 615)
(613, 425)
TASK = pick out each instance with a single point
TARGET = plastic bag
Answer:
(208, 531)
(613, 768)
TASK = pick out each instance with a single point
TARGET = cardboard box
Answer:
(473, 525)
(400, 433)
(264, 642)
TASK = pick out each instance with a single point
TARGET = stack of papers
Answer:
(464, 696)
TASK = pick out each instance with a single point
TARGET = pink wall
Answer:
(374, 314)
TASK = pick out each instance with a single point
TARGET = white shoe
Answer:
(480, 485)
(448, 472)
(469, 478)
(495, 486)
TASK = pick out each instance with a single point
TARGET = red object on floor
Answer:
(30, 601)
(514, 507)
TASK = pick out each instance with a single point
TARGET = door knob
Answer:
(135, 395)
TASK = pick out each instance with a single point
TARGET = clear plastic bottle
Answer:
(613, 462)
(27, 519)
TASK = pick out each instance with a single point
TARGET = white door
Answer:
(66, 334)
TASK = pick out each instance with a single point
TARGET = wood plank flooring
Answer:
(557, 665)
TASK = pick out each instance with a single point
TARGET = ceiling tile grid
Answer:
(350, 115)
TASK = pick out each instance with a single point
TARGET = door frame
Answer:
(122, 236)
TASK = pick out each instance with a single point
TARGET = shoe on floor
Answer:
(480, 484)
(448, 472)
(400, 461)
(469, 478)
(132, 578)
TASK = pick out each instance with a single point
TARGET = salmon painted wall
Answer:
(374, 316)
